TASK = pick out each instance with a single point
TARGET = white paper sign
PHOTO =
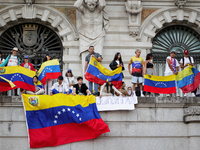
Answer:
(107, 103)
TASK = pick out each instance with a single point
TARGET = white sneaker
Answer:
(177, 95)
(193, 95)
(142, 95)
(168, 95)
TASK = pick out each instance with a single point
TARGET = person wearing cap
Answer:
(27, 65)
(172, 67)
(1, 59)
(12, 60)
(48, 85)
(59, 87)
(80, 88)
(108, 89)
(69, 80)
(185, 61)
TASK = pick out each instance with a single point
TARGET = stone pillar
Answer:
(134, 9)
(192, 117)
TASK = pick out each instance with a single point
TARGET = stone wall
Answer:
(155, 124)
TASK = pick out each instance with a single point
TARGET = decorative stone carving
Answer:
(94, 23)
(180, 3)
(192, 114)
(134, 9)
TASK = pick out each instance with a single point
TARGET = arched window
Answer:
(178, 38)
(34, 40)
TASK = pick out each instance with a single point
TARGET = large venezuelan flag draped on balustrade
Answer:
(17, 75)
(188, 79)
(60, 119)
(160, 84)
(99, 74)
(49, 70)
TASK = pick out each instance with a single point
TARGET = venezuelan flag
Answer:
(188, 79)
(61, 119)
(99, 74)
(160, 84)
(19, 76)
(49, 70)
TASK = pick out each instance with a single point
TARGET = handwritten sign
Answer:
(108, 103)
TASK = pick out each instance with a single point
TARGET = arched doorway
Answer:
(34, 40)
(178, 38)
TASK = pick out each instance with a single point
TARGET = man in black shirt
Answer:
(80, 88)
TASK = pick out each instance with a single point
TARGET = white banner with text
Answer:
(108, 103)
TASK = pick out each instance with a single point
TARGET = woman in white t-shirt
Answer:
(69, 80)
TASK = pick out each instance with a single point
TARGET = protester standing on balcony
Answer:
(27, 64)
(149, 68)
(185, 61)
(69, 80)
(48, 85)
(12, 60)
(172, 67)
(137, 63)
(97, 56)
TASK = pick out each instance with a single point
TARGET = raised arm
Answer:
(114, 88)
(79, 5)
(102, 4)
(102, 87)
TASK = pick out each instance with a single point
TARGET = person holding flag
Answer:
(39, 88)
(185, 61)
(12, 60)
(97, 56)
(172, 67)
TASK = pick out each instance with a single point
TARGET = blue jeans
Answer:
(95, 88)
(54, 91)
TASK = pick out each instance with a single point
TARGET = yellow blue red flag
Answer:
(99, 74)
(19, 76)
(49, 70)
(160, 84)
(188, 79)
(61, 119)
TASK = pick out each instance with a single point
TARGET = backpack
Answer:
(189, 59)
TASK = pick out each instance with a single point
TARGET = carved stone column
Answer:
(134, 9)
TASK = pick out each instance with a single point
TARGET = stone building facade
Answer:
(133, 24)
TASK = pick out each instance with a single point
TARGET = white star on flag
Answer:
(59, 112)
(77, 115)
(79, 119)
(55, 121)
(63, 110)
(73, 112)
(68, 109)
(56, 116)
